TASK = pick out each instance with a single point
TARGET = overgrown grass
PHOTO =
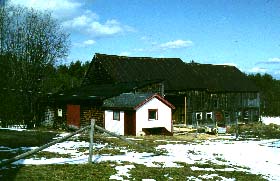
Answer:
(103, 171)
(108, 151)
(16, 139)
(49, 155)
(100, 171)
(258, 130)
(186, 173)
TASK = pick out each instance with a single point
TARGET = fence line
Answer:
(92, 126)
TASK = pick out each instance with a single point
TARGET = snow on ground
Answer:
(122, 171)
(269, 120)
(257, 157)
(15, 128)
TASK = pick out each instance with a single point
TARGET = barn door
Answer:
(129, 123)
(73, 115)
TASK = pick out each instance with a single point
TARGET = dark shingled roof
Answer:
(132, 101)
(176, 74)
(223, 78)
(116, 69)
(98, 92)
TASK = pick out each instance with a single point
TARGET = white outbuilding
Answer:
(138, 114)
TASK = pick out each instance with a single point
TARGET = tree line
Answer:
(269, 89)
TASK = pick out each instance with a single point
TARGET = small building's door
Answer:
(73, 115)
(130, 123)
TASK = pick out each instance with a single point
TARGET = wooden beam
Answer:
(91, 134)
(185, 111)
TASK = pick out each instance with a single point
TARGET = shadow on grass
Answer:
(13, 143)
(17, 139)
(9, 172)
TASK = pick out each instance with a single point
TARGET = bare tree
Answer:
(30, 41)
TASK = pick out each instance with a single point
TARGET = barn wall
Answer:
(86, 113)
(226, 107)
(58, 121)
(116, 126)
(89, 112)
(164, 116)
(48, 117)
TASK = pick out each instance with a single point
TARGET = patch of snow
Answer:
(249, 154)
(115, 177)
(209, 177)
(122, 171)
(202, 169)
(61, 136)
(273, 143)
(44, 161)
(193, 178)
(69, 147)
(168, 141)
(222, 130)
(135, 139)
(14, 129)
(212, 176)
(269, 120)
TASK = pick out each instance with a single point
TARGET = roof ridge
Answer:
(97, 55)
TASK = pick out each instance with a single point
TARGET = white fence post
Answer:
(91, 134)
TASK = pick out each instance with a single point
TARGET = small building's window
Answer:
(59, 112)
(153, 114)
(116, 115)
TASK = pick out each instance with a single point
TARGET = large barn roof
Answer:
(115, 69)
(223, 78)
(175, 74)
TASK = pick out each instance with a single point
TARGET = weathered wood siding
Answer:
(226, 107)
(88, 112)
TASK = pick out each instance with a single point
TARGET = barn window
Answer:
(209, 115)
(116, 115)
(153, 114)
(226, 114)
(198, 116)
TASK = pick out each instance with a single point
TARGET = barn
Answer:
(200, 93)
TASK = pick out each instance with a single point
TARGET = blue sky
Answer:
(242, 33)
